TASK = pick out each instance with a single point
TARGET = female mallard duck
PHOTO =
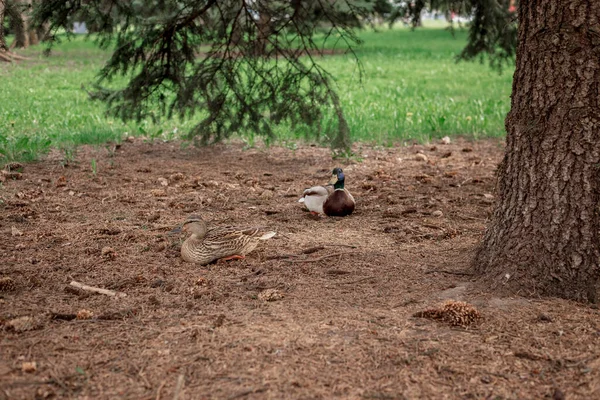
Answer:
(225, 242)
(333, 202)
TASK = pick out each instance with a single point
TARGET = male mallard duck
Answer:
(225, 242)
(334, 202)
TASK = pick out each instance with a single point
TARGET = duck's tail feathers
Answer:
(267, 235)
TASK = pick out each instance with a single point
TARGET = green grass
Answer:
(411, 89)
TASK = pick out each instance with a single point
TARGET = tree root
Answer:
(8, 56)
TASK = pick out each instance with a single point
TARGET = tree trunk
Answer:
(3, 46)
(42, 32)
(20, 17)
(5, 55)
(341, 142)
(33, 36)
(543, 238)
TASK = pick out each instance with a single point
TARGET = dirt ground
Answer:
(344, 327)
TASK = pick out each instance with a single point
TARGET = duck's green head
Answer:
(337, 178)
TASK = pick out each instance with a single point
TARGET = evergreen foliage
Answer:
(492, 32)
(492, 29)
(241, 65)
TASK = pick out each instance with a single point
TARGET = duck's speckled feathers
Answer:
(221, 242)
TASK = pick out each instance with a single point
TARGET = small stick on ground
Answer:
(445, 271)
(246, 393)
(319, 258)
(63, 316)
(470, 218)
(179, 386)
(280, 256)
(97, 290)
(311, 250)
(162, 385)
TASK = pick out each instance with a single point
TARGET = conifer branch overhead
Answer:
(247, 65)
(232, 65)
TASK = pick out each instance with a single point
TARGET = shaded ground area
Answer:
(344, 328)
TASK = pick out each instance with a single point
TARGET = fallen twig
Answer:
(530, 356)
(63, 316)
(97, 290)
(179, 386)
(445, 271)
(466, 181)
(311, 250)
(280, 256)
(470, 218)
(246, 393)
(343, 245)
(319, 258)
(338, 272)
(162, 385)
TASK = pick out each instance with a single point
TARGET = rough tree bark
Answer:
(21, 22)
(2, 38)
(544, 235)
(5, 55)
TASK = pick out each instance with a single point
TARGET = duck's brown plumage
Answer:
(339, 204)
(333, 201)
(207, 245)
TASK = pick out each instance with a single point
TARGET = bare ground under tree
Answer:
(344, 327)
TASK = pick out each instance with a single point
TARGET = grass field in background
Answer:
(411, 88)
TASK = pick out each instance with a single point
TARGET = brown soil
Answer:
(344, 327)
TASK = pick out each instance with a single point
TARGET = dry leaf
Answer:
(177, 176)
(29, 366)
(84, 314)
(158, 193)
(62, 181)
(270, 295)
(163, 181)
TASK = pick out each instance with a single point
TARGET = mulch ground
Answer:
(322, 310)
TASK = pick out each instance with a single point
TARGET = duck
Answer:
(333, 199)
(206, 245)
